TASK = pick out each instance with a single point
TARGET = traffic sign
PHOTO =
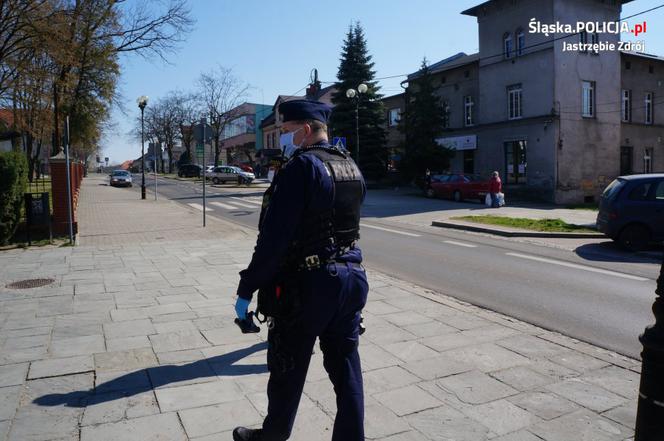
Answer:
(339, 141)
(199, 150)
(198, 133)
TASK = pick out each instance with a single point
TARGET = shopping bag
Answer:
(487, 200)
(501, 199)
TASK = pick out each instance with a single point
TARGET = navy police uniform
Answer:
(308, 234)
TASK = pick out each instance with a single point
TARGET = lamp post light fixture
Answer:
(142, 101)
(355, 96)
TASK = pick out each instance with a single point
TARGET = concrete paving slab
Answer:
(161, 427)
(112, 407)
(586, 394)
(475, 387)
(124, 360)
(54, 367)
(445, 423)
(13, 374)
(501, 416)
(407, 400)
(581, 425)
(209, 420)
(197, 395)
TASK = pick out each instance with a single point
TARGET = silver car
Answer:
(225, 173)
(121, 178)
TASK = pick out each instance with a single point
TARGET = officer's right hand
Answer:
(241, 306)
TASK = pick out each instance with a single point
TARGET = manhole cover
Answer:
(30, 283)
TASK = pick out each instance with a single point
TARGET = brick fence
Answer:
(59, 190)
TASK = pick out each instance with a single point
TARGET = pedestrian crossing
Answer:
(232, 204)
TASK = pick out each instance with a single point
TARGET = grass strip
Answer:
(548, 225)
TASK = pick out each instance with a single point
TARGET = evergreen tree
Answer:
(422, 123)
(356, 68)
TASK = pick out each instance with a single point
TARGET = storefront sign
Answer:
(459, 142)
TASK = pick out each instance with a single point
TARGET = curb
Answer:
(514, 233)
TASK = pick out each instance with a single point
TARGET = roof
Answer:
(7, 117)
(474, 11)
(456, 60)
(643, 55)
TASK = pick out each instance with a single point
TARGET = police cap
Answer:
(298, 110)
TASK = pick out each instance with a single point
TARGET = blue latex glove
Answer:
(241, 306)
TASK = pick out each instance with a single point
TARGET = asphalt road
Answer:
(601, 295)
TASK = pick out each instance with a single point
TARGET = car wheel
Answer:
(634, 238)
(430, 193)
(215, 181)
(457, 196)
(131, 185)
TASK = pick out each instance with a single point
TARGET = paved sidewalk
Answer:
(134, 340)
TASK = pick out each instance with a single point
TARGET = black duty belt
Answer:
(314, 262)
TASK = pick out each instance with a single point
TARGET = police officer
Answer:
(308, 233)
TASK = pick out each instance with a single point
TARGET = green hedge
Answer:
(13, 182)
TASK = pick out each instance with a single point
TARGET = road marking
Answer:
(460, 244)
(581, 267)
(226, 206)
(389, 230)
(197, 206)
(245, 205)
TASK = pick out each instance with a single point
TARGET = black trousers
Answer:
(332, 298)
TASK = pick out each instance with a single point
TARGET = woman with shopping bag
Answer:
(495, 188)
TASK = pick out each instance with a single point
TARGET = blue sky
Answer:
(273, 46)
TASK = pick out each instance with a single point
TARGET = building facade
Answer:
(394, 138)
(547, 117)
(242, 136)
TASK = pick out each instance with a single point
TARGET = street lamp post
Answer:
(650, 411)
(142, 101)
(355, 96)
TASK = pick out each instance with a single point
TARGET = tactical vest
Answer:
(336, 228)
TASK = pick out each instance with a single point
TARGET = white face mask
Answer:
(286, 143)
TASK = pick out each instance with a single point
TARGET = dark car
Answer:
(458, 186)
(631, 210)
(120, 178)
(190, 171)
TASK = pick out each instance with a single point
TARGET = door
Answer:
(469, 161)
(515, 162)
(626, 160)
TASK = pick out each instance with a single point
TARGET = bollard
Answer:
(650, 411)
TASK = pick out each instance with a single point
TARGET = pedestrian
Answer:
(495, 187)
(307, 262)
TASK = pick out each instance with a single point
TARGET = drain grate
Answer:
(30, 283)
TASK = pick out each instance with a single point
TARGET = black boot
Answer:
(244, 434)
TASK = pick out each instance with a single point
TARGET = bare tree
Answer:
(188, 113)
(18, 22)
(221, 93)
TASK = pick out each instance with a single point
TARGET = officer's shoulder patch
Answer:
(344, 170)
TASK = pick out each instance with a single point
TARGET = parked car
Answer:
(458, 186)
(190, 171)
(631, 210)
(244, 167)
(220, 175)
(120, 178)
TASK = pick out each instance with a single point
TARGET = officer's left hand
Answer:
(241, 306)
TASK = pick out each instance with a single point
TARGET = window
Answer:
(647, 160)
(583, 39)
(626, 160)
(507, 45)
(446, 115)
(393, 119)
(468, 110)
(640, 192)
(648, 102)
(659, 191)
(514, 102)
(588, 101)
(520, 42)
(626, 105)
(594, 39)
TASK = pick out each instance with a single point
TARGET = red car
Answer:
(458, 186)
(244, 167)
